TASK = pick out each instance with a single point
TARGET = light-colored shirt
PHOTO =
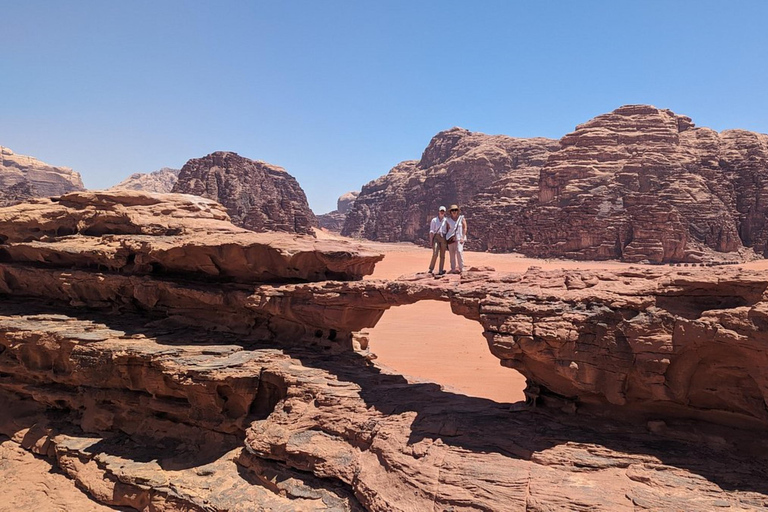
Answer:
(455, 227)
(437, 226)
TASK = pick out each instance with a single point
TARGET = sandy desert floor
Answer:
(426, 341)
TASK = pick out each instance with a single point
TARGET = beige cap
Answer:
(455, 207)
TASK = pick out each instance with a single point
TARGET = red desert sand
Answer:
(425, 341)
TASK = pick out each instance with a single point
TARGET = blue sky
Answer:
(338, 92)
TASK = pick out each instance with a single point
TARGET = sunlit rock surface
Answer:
(24, 177)
(220, 369)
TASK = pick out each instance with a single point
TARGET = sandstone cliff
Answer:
(23, 177)
(458, 166)
(258, 196)
(165, 359)
(642, 183)
(162, 181)
(639, 183)
(334, 221)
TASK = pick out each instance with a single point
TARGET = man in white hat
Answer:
(437, 240)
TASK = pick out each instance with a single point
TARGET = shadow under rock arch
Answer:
(739, 463)
(735, 461)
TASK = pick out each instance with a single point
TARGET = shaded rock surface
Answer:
(334, 221)
(636, 184)
(23, 177)
(214, 388)
(258, 196)
(148, 419)
(161, 181)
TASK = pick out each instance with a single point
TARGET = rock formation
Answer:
(639, 183)
(23, 177)
(645, 184)
(164, 359)
(258, 196)
(161, 181)
(456, 167)
(334, 221)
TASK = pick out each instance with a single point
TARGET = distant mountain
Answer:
(637, 184)
(23, 177)
(258, 196)
(162, 180)
(334, 221)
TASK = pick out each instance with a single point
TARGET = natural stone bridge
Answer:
(165, 358)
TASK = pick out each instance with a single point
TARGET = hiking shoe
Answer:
(441, 273)
(429, 271)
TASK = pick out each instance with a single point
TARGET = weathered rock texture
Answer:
(161, 181)
(686, 342)
(191, 385)
(23, 177)
(334, 221)
(639, 183)
(258, 196)
(458, 166)
(645, 184)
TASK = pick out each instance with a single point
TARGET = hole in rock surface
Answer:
(427, 341)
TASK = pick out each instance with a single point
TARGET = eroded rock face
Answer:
(214, 370)
(674, 343)
(637, 184)
(459, 166)
(23, 177)
(258, 196)
(334, 221)
(172, 421)
(642, 183)
(162, 181)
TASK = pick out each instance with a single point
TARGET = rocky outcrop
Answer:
(636, 184)
(459, 167)
(642, 183)
(334, 221)
(659, 341)
(161, 181)
(23, 177)
(258, 196)
(172, 379)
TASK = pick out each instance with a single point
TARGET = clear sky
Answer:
(338, 92)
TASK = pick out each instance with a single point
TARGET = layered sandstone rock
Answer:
(642, 183)
(144, 418)
(636, 184)
(669, 342)
(161, 181)
(258, 196)
(23, 177)
(334, 221)
(182, 378)
(459, 167)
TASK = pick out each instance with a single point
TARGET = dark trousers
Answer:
(439, 246)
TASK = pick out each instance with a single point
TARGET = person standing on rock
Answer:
(437, 240)
(455, 237)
